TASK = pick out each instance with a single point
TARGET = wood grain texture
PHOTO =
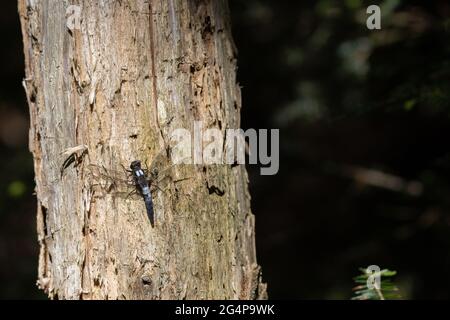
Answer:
(133, 72)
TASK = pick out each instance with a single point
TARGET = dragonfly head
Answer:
(135, 165)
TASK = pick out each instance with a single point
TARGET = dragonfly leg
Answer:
(127, 171)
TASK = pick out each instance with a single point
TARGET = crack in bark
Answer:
(214, 189)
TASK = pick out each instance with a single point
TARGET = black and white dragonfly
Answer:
(135, 182)
(143, 185)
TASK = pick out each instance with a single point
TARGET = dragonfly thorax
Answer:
(138, 173)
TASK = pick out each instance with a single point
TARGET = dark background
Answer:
(345, 98)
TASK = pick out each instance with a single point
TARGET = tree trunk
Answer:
(111, 90)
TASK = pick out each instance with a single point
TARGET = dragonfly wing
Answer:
(129, 195)
(160, 167)
(111, 181)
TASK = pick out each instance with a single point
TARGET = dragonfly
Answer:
(135, 182)
(143, 185)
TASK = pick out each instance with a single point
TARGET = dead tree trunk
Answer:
(115, 83)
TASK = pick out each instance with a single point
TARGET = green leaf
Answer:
(388, 290)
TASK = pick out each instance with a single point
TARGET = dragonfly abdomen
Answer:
(149, 206)
(141, 182)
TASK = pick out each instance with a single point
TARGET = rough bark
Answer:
(119, 85)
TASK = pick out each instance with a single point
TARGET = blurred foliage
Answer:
(16, 189)
(386, 290)
(346, 96)
(339, 67)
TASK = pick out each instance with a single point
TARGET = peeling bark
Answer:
(133, 72)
